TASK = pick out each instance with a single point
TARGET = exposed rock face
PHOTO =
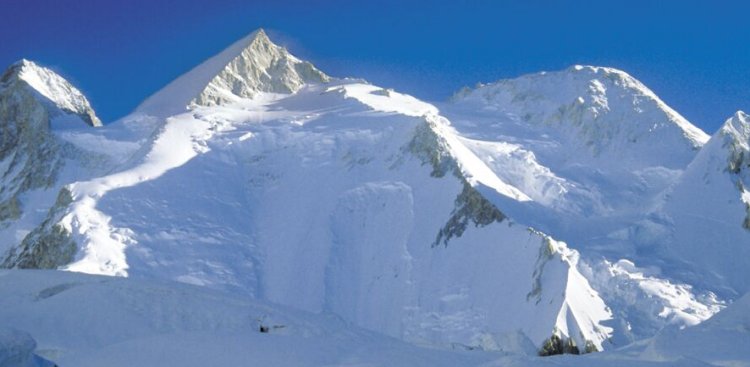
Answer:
(48, 246)
(28, 154)
(431, 149)
(471, 206)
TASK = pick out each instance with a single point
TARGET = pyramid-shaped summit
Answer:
(251, 65)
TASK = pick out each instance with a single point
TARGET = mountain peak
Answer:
(608, 73)
(260, 36)
(248, 67)
(602, 109)
(17, 70)
(51, 87)
(739, 118)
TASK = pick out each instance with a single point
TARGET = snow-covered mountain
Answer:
(595, 151)
(551, 211)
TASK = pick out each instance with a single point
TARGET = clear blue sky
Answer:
(695, 55)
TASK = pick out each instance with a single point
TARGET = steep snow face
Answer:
(709, 208)
(252, 65)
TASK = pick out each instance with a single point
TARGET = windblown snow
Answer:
(569, 211)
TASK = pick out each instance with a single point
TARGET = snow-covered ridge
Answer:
(52, 86)
(250, 66)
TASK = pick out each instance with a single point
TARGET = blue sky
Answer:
(695, 55)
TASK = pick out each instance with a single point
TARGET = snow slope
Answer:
(603, 111)
(86, 320)
(83, 320)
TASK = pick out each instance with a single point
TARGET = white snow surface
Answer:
(75, 319)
